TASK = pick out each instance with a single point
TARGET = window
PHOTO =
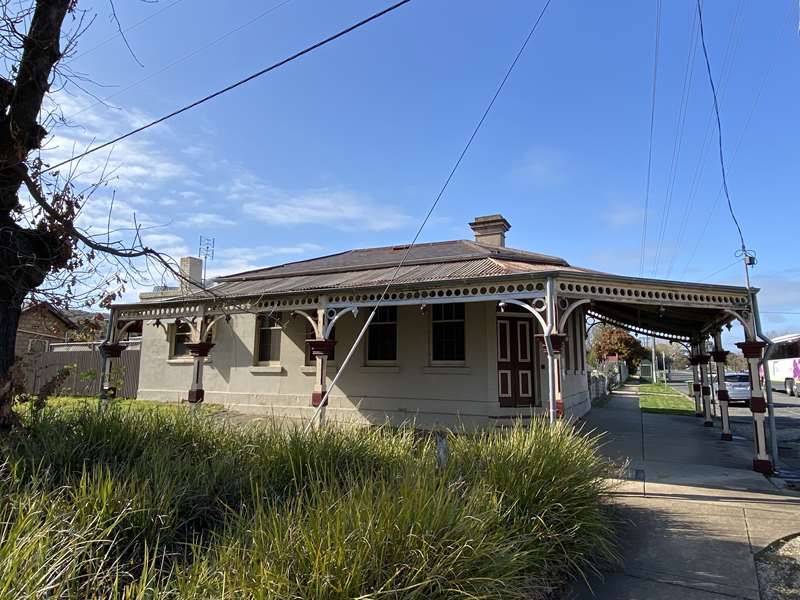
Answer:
(181, 335)
(310, 335)
(268, 338)
(447, 333)
(737, 378)
(382, 335)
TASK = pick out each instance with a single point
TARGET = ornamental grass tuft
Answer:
(166, 504)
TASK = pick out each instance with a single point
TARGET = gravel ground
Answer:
(779, 570)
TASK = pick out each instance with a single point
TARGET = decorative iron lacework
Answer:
(598, 290)
(649, 294)
(637, 329)
(473, 293)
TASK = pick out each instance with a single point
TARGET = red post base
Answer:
(316, 398)
(196, 396)
(708, 424)
(728, 437)
(763, 466)
(559, 408)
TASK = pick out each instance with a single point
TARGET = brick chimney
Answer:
(191, 267)
(490, 230)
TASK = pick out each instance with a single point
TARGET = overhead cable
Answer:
(233, 86)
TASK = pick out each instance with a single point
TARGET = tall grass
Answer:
(152, 504)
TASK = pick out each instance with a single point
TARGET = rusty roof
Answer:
(462, 270)
(369, 259)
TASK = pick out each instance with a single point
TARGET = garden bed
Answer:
(167, 504)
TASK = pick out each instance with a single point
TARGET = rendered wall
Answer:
(411, 390)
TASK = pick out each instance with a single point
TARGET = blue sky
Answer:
(348, 146)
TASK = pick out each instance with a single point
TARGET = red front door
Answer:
(515, 372)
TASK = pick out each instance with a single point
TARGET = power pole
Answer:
(655, 359)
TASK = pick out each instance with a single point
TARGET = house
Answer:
(39, 325)
(469, 333)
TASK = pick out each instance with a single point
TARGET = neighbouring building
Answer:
(39, 325)
(468, 333)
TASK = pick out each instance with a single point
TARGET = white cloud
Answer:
(203, 219)
(137, 163)
(236, 260)
(337, 208)
(166, 243)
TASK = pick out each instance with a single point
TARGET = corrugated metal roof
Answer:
(436, 253)
(370, 278)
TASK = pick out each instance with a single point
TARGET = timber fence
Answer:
(84, 375)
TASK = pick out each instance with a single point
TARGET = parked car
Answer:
(738, 386)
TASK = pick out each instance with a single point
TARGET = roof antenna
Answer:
(205, 251)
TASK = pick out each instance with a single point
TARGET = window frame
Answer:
(274, 318)
(376, 323)
(431, 341)
(173, 338)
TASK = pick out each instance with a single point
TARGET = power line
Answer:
(719, 127)
(435, 203)
(734, 35)
(767, 72)
(235, 85)
(725, 268)
(183, 58)
(131, 28)
(688, 76)
(652, 126)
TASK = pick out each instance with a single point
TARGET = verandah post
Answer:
(719, 355)
(705, 387)
(694, 361)
(752, 350)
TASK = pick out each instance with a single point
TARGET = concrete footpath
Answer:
(694, 514)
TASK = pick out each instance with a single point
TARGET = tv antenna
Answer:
(205, 251)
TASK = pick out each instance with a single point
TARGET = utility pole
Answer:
(655, 359)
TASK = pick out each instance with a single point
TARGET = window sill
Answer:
(311, 369)
(267, 370)
(380, 369)
(186, 360)
(446, 370)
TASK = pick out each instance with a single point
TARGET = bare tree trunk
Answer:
(27, 255)
(9, 318)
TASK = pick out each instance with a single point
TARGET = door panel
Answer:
(516, 375)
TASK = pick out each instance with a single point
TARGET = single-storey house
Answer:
(41, 324)
(467, 333)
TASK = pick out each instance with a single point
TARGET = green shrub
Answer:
(156, 504)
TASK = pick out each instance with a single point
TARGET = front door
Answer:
(515, 361)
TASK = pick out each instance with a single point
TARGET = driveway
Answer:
(693, 513)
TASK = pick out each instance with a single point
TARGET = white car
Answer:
(738, 386)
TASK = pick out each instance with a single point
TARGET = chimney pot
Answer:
(490, 230)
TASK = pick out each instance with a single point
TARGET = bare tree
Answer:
(43, 252)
